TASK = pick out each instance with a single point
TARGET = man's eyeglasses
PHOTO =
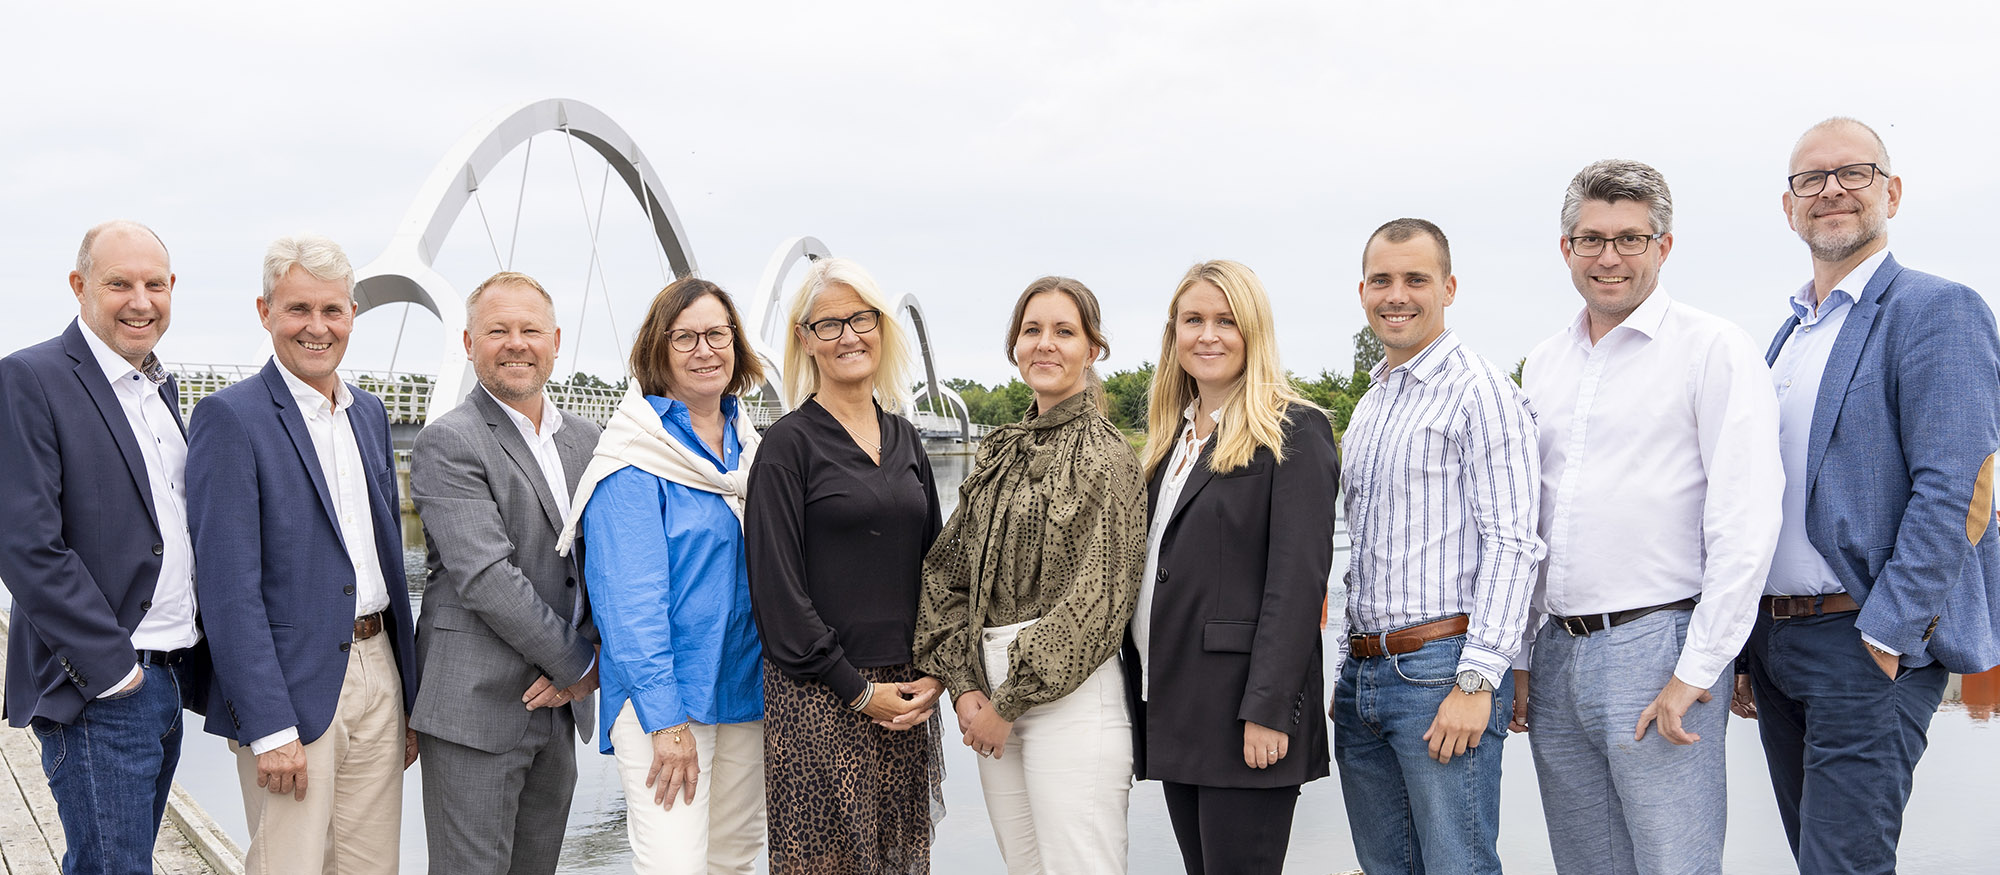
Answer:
(1626, 244)
(718, 338)
(1851, 177)
(829, 329)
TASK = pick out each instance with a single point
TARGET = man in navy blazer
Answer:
(293, 507)
(1888, 383)
(103, 651)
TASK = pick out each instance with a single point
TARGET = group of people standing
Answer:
(766, 631)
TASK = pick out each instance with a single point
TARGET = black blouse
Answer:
(836, 545)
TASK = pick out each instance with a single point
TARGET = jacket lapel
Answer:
(1197, 478)
(91, 375)
(504, 431)
(1840, 365)
(294, 423)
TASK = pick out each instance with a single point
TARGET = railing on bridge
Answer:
(408, 398)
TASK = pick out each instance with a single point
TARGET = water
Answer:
(1948, 827)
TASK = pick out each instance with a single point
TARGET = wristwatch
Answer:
(1470, 682)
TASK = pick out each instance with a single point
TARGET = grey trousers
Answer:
(1613, 805)
(488, 813)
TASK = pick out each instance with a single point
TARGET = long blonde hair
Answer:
(1253, 413)
(802, 373)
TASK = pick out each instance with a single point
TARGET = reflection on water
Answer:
(1946, 829)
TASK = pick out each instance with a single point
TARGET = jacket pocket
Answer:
(1878, 558)
(458, 619)
(1228, 636)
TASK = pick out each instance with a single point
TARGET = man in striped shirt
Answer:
(1442, 491)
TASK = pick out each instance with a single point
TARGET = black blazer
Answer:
(1235, 623)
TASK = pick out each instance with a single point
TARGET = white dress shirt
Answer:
(1635, 429)
(543, 445)
(170, 623)
(1186, 454)
(1443, 482)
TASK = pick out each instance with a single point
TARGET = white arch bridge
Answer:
(403, 273)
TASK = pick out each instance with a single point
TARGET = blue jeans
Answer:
(1840, 737)
(1616, 806)
(1409, 813)
(101, 767)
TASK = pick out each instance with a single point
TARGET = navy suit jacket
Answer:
(79, 546)
(274, 576)
(1900, 466)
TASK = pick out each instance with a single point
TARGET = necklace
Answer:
(856, 435)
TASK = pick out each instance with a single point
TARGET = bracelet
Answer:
(1877, 650)
(672, 732)
(867, 693)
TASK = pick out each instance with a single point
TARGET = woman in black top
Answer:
(841, 510)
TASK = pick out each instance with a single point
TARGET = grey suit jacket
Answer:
(501, 608)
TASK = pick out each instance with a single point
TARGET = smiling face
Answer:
(309, 319)
(1613, 285)
(1051, 349)
(700, 376)
(512, 340)
(1207, 343)
(126, 298)
(1836, 223)
(851, 359)
(1404, 292)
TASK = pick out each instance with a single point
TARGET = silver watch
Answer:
(1470, 682)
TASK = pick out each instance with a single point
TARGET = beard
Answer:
(1833, 246)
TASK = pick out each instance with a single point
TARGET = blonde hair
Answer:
(1253, 413)
(893, 349)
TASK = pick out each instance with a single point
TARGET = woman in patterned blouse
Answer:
(1026, 595)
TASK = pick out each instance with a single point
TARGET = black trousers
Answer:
(1229, 830)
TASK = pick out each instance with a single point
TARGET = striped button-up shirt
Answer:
(1442, 478)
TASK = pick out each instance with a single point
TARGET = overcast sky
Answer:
(960, 150)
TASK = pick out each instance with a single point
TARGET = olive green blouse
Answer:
(1050, 526)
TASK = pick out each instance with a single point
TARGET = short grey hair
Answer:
(1881, 148)
(1613, 180)
(507, 278)
(316, 255)
(84, 262)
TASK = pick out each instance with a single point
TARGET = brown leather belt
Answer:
(1407, 640)
(368, 627)
(1785, 607)
(1583, 626)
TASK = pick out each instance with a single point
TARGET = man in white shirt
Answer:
(292, 502)
(103, 652)
(1660, 508)
(1443, 478)
(505, 619)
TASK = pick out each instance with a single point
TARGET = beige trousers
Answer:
(722, 831)
(351, 820)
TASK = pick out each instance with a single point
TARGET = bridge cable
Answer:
(520, 197)
(595, 268)
(481, 204)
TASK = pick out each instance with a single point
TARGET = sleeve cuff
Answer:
(1879, 645)
(274, 741)
(846, 681)
(1701, 669)
(1491, 665)
(114, 688)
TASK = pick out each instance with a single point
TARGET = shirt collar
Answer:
(1850, 286)
(309, 397)
(1425, 364)
(116, 368)
(551, 416)
(1646, 320)
(1187, 414)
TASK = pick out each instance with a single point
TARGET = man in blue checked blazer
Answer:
(1888, 383)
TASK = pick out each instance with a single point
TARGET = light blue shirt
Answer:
(670, 590)
(1798, 568)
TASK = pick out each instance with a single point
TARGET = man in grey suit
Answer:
(505, 637)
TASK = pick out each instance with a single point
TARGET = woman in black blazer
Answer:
(1224, 656)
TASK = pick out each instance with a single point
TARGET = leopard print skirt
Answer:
(844, 796)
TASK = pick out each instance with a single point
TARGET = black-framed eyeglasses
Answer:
(829, 329)
(717, 338)
(1851, 177)
(1626, 244)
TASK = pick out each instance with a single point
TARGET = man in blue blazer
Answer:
(1884, 579)
(292, 502)
(103, 651)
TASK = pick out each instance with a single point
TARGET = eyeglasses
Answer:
(1626, 244)
(717, 338)
(829, 329)
(1852, 177)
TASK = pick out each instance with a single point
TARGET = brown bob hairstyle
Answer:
(652, 356)
(1089, 314)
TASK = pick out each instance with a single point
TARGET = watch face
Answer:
(1470, 681)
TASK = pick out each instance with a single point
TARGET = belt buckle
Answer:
(1781, 608)
(1576, 627)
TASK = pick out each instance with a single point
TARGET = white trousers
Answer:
(722, 831)
(1057, 796)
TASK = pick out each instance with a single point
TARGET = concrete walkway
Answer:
(31, 838)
